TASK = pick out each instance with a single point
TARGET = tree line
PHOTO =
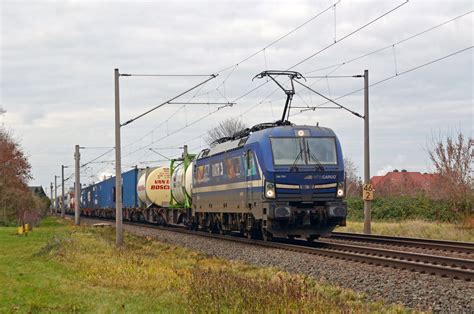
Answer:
(17, 202)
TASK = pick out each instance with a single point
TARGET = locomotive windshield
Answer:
(304, 151)
(288, 151)
(321, 150)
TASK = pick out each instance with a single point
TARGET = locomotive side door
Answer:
(250, 172)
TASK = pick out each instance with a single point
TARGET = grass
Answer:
(415, 228)
(62, 268)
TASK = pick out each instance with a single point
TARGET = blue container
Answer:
(105, 191)
(88, 197)
(129, 189)
(106, 194)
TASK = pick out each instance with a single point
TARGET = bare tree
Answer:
(226, 128)
(452, 160)
(353, 183)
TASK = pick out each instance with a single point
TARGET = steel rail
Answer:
(409, 256)
(423, 263)
(442, 245)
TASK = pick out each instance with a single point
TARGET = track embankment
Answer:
(411, 288)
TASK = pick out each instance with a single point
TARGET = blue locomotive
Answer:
(271, 181)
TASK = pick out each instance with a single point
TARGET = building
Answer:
(403, 183)
(38, 191)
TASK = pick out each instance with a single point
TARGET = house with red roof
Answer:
(403, 183)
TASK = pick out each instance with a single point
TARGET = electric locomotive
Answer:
(273, 180)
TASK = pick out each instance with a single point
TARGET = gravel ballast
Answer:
(413, 290)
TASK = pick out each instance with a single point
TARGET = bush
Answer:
(405, 207)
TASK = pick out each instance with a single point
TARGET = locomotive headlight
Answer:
(269, 190)
(340, 189)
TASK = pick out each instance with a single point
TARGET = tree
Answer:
(226, 128)
(15, 171)
(353, 183)
(452, 161)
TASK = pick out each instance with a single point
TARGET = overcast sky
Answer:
(57, 60)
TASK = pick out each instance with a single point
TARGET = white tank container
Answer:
(181, 183)
(188, 181)
(141, 189)
(155, 187)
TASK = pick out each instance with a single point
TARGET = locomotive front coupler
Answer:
(289, 211)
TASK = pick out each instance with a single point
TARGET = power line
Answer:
(166, 121)
(212, 76)
(101, 155)
(389, 78)
(233, 67)
(325, 48)
(339, 65)
(391, 45)
(280, 38)
(174, 132)
(169, 75)
(330, 100)
(348, 35)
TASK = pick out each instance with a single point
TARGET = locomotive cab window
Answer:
(288, 151)
(304, 151)
(321, 150)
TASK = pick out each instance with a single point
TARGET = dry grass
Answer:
(149, 276)
(416, 228)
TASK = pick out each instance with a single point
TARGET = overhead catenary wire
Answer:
(263, 84)
(280, 38)
(330, 100)
(166, 121)
(174, 132)
(168, 75)
(348, 35)
(339, 65)
(389, 78)
(101, 155)
(325, 48)
(391, 45)
(212, 76)
(233, 67)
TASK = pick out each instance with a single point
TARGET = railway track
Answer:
(457, 268)
(439, 245)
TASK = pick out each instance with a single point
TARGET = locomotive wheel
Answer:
(249, 234)
(311, 238)
(266, 236)
(252, 234)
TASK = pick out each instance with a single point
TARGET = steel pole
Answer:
(56, 194)
(118, 166)
(367, 203)
(77, 187)
(62, 191)
(52, 204)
